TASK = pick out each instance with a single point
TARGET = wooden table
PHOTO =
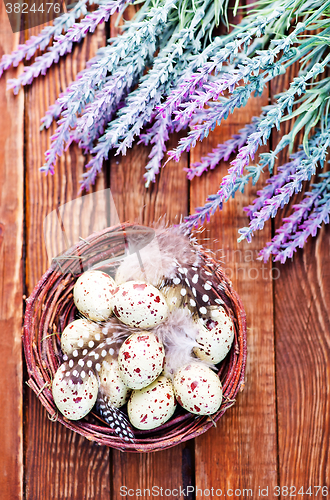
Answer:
(277, 434)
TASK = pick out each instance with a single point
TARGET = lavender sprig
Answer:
(28, 49)
(305, 169)
(215, 201)
(272, 118)
(220, 110)
(93, 121)
(284, 172)
(52, 113)
(215, 114)
(82, 91)
(319, 216)
(222, 151)
(158, 135)
(303, 173)
(264, 60)
(63, 43)
(290, 226)
(222, 50)
(210, 90)
(306, 219)
(141, 103)
(275, 183)
(138, 43)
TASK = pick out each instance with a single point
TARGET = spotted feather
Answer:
(199, 284)
(115, 418)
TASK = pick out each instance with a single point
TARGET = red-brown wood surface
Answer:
(278, 430)
(11, 282)
(302, 326)
(243, 447)
(58, 463)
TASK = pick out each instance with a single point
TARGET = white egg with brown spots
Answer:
(139, 304)
(112, 385)
(74, 400)
(92, 295)
(198, 389)
(77, 334)
(152, 406)
(215, 336)
(141, 359)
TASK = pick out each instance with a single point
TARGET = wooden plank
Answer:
(59, 463)
(171, 468)
(302, 324)
(11, 283)
(168, 197)
(240, 454)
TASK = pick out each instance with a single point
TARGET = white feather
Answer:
(158, 260)
(146, 266)
(178, 334)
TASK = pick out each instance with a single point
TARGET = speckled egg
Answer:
(112, 385)
(77, 334)
(139, 304)
(152, 406)
(141, 359)
(74, 400)
(92, 295)
(198, 389)
(216, 335)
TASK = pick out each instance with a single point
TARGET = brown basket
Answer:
(50, 308)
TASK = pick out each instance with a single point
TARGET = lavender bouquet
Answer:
(169, 70)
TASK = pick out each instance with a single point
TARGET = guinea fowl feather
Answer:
(114, 418)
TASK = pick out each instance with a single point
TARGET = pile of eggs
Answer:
(132, 372)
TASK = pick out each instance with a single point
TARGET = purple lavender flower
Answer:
(275, 183)
(306, 218)
(94, 119)
(63, 43)
(220, 50)
(318, 216)
(220, 110)
(29, 48)
(303, 172)
(157, 135)
(222, 151)
(213, 116)
(141, 103)
(82, 91)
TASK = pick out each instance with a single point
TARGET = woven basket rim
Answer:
(50, 300)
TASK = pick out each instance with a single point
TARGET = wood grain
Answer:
(11, 282)
(240, 454)
(246, 450)
(59, 464)
(302, 324)
(168, 199)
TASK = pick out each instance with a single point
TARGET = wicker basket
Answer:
(50, 308)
